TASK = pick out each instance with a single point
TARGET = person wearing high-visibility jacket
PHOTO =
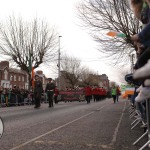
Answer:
(113, 93)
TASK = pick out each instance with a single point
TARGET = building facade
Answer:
(104, 81)
(10, 77)
(100, 80)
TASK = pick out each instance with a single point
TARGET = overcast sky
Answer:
(75, 41)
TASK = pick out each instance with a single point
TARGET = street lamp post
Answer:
(59, 64)
(132, 62)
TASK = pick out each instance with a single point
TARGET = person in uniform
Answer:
(50, 86)
(88, 93)
(38, 89)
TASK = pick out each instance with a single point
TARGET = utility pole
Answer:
(59, 64)
(132, 56)
(132, 63)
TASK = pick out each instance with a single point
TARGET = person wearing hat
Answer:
(50, 86)
(38, 89)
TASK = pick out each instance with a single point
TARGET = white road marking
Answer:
(117, 128)
(38, 137)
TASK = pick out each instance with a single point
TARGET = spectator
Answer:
(143, 38)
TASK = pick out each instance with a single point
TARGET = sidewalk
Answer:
(126, 136)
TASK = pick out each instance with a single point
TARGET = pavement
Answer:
(126, 136)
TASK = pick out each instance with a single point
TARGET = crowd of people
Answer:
(96, 93)
(141, 76)
(17, 96)
(14, 96)
(142, 66)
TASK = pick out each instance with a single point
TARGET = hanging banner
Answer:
(71, 95)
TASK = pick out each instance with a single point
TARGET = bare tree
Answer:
(122, 75)
(88, 78)
(27, 43)
(71, 69)
(101, 16)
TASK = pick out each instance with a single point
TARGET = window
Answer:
(14, 77)
(19, 78)
(11, 77)
(5, 75)
(23, 78)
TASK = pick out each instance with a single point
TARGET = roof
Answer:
(14, 70)
(2, 67)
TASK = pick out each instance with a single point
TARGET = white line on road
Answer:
(101, 107)
(38, 137)
(117, 128)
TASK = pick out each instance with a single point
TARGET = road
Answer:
(69, 126)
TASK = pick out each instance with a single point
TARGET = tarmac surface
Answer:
(99, 125)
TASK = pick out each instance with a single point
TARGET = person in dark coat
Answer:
(38, 89)
(50, 86)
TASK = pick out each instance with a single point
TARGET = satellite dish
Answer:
(1, 127)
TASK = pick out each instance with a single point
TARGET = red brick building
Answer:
(11, 76)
